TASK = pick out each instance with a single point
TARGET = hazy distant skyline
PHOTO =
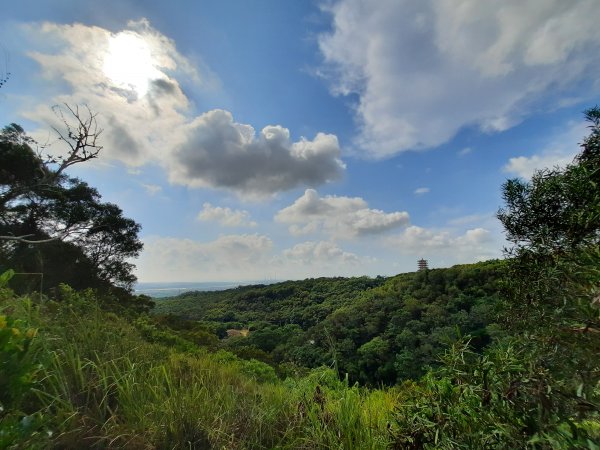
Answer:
(263, 139)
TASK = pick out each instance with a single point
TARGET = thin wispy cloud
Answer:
(559, 152)
(152, 189)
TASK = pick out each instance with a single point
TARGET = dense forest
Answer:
(495, 355)
(375, 330)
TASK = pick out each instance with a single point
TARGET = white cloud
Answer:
(137, 128)
(472, 218)
(476, 244)
(322, 258)
(221, 152)
(559, 152)
(226, 217)
(152, 189)
(339, 217)
(243, 257)
(148, 119)
(421, 190)
(524, 167)
(321, 252)
(423, 69)
(229, 257)
(465, 151)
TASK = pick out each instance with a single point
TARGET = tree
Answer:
(54, 223)
(553, 222)
(539, 387)
(557, 211)
(553, 306)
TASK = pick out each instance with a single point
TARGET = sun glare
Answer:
(128, 63)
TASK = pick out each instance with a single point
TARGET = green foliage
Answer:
(259, 371)
(103, 376)
(498, 400)
(553, 309)
(6, 277)
(539, 387)
(303, 303)
(16, 369)
(19, 372)
(375, 330)
(56, 224)
(558, 210)
(103, 384)
(395, 331)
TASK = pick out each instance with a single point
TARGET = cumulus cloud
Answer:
(558, 153)
(226, 217)
(221, 152)
(421, 190)
(423, 69)
(320, 252)
(476, 244)
(133, 79)
(339, 217)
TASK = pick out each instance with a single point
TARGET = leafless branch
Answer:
(6, 75)
(80, 134)
(24, 239)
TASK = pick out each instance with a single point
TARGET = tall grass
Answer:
(100, 384)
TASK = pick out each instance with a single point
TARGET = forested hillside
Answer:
(494, 355)
(375, 330)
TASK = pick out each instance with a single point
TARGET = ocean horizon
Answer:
(170, 289)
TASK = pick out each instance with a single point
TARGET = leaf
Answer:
(5, 277)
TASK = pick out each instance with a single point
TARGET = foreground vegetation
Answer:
(91, 369)
(76, 376)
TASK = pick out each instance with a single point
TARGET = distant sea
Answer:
(158, 290)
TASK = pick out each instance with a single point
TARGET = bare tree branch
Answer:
(6, 75)
(81, 136)
(27, 241)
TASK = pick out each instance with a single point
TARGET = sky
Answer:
(271, 140)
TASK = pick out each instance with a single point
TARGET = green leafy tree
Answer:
(557, 211)
(554, 305)
(539, 387)
(56, 224)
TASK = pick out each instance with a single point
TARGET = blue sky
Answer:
(271, 140)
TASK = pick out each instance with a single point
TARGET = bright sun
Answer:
(129, 63)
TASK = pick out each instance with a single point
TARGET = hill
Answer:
(376, 330)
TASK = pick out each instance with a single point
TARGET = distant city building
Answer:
(422, 263)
